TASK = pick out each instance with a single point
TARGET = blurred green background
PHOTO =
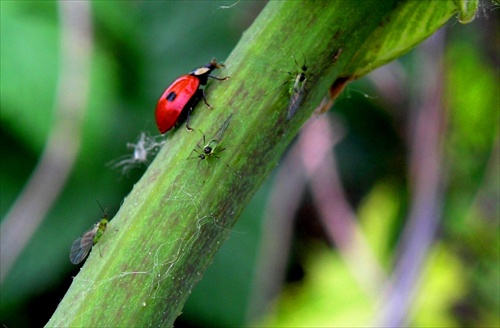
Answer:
(139, 48)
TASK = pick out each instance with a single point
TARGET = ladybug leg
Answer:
(219, 78)
(205, 99)
(187, 119)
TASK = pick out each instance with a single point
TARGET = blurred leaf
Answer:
(472, 96)
(29, 81)
(47, 251)
(441, 288)
(468, 10)
(408, 25)
(328, 296)
(378, 215)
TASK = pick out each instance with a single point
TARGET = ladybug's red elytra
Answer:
(177, 102)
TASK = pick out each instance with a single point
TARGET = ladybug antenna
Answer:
(214, 64)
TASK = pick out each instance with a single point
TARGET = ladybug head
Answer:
(213, 65)
(207, 69)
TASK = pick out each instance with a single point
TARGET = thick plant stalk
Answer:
(177, 216)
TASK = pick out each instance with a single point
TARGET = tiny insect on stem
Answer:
(211, 149)
(179, 99)
(82, 245)
(297, 89)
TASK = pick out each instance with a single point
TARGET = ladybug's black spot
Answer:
(171, 96)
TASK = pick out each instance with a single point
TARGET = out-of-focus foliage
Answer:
(329, 296)
(460, 283)
(139, 48)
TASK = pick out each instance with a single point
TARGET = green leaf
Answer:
(467, 10)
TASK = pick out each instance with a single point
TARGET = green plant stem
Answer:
(177, 216)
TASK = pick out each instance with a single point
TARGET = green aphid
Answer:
(297, 90)
(81, 246)
(211, 149)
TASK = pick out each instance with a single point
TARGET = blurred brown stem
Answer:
(336, 214)
(311, 160)
(426, 184)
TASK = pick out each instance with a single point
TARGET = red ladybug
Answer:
(177, 102)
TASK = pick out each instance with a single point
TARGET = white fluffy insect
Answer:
(144, 150)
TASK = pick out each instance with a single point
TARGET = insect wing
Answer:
(223, 128)
(296, 98)
(209, 148)
(81, 247)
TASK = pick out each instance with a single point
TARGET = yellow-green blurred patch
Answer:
(328, 296)
(378, 214)
(443, 285)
